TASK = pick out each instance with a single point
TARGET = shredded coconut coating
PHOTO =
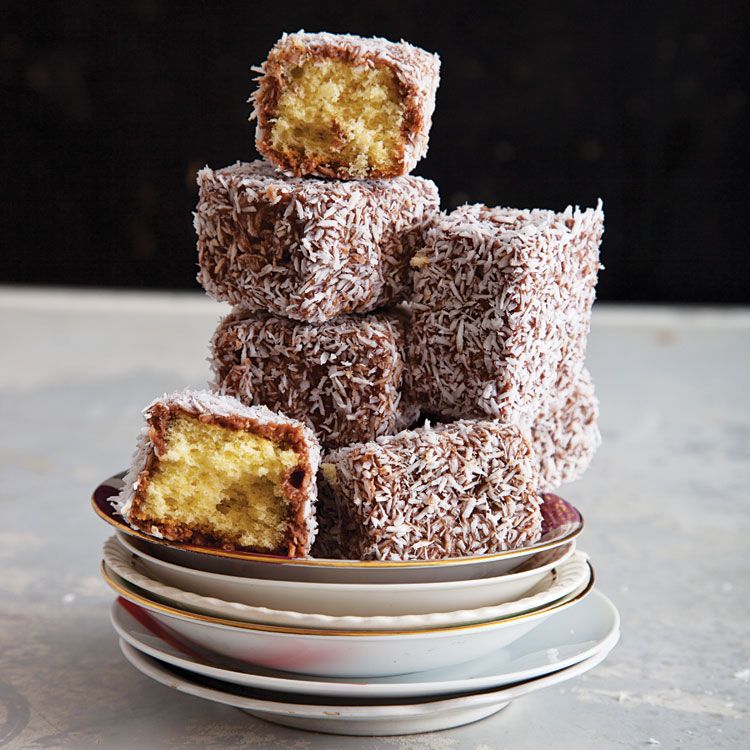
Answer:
(452, 490)
(308, 249)
(416, 71)
(567, 436)
(344, 377)
(501, 310)
(207, 406)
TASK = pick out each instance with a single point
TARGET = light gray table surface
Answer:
(667, 504)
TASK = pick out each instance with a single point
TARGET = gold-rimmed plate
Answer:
(561, 641)
(562, 523)
(337, 653)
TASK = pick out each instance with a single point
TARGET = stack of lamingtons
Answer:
(423, 372)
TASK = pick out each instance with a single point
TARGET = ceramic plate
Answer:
(561, 524)
(335, 653)
(326, 597)
(260, 600)
(350, 717)
(572, 636)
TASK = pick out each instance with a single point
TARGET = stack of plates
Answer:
(353, 647)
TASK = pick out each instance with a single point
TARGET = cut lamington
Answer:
(460, 489)
(567, 436)
(343, 106)
(308, 249)
(501, 310)
(209, 470)
(345, 378)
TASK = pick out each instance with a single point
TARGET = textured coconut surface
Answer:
(501, 309)
(454, 490)
(344, 378)
(308, 249)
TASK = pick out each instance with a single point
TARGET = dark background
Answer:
(109, 109)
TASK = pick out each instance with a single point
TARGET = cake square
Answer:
(501, 310)
(345, 378)
(343, 106)
(308, 249)
(450, 490)
(209, 470)
(566, 437)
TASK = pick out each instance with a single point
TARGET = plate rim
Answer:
(386, 587)
(225, 623)
(572, 571)
(397, 710)
(109, 517)
(343, 688)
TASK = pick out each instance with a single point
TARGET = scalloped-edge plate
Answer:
(561, 524)
(555, 584)
(352, 598)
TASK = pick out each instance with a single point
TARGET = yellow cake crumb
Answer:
(329, 473)
(337, 113)
(226, 482)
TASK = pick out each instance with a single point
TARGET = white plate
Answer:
(333, 653)
(556, 584)
(561, 523)
(351, 717)
(561, 641)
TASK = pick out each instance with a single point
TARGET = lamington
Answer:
(449, 490)
(209, 470)
(345, 378)
(343, 106)
(566, 437)
(308, 249)
(501, 310)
